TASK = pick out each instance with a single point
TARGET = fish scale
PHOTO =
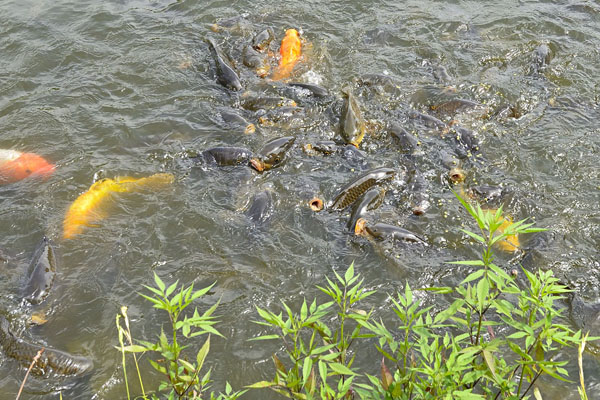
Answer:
(352, 191)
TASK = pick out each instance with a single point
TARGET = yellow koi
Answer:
(90, 206)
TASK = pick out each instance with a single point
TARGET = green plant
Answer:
(457, 353)
(183, 376)
(320, 359)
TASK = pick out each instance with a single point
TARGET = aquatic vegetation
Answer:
(182, 375)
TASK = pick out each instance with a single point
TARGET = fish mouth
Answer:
(250, 128)
(257, 164)
(361, 227)
(316, 204)
(456, 175)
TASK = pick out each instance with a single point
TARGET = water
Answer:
(128, 89)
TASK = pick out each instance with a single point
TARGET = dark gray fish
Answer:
(252, 58)
(408, 143)
(354, 189)
(226, 75)
(316, 90)
(51, 361)
(237, 120)
(43, 267)
(372, 199)
(223, 156)
(540, 58)
(261, 208)
(383, 231)
(262, 39)
(487, 193)
(255, 103)
(352, 125)
(325, 146)
(455, 106)
(427, 120)
(419, 187)
(465, 140)
(272, 153)
(383, 80)
(441, 74)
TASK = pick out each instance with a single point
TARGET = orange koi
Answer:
(511, 243)
(290, 50)
(91, 205)
(15, 166)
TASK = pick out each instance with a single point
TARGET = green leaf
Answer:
(133, 349)
(474, 275)
(474, 235)
(201, 356)
(306, 368)
(489, 361)
(159, 283)
(341, 369)
(467, 262)
(261, 384)
(265, 337)
(349, 273)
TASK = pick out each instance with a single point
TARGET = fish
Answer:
(255, 103)
(455, 106)
(237, 120)
(511, 243)
(226, 75)
(382, 231)
(272, 153)
(16, 166)
(43, 267)
(358, 186)
(540, 58)
(261, 41)
(224, 156)
(290, 50)
(315, 90)
(90, 206)
(352, 125)
(440, 74)
(371, 200)
(255, 60)
(50, 362)
(428, 120)
(408, 143)
(261, 208)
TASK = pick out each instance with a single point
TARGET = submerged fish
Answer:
(15, 166)
(50, 361)
(235, 120)
(225, 73)
(272, 153)
(356, 188)
(223, 156)
(382, 231)
(89, 206)
(290, 50)
(255, 60)
(352, 125)
(43, 267)
(262, 39)
(511, 243)
(261, 208)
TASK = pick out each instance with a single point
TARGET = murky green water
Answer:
(118, 88)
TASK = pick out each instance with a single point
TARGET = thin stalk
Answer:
(35, 359)
(531, 384)
(137, 367)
